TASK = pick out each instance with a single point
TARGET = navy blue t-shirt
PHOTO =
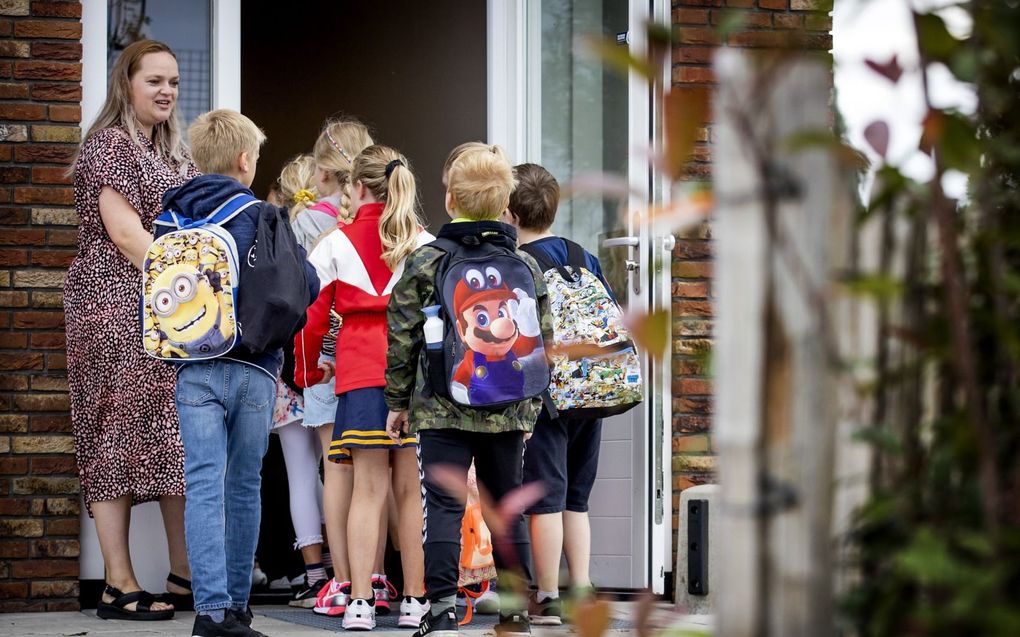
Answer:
(556, 248)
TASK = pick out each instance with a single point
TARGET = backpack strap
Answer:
(546, 263)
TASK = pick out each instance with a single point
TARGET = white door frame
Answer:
(514, 122)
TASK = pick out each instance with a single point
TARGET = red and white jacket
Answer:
(356, 283)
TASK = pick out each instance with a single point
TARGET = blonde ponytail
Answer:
(387, 176)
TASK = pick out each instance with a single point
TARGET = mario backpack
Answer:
(491, 353)
(189, 286)
(595, 368)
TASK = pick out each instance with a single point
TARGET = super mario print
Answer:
(188, 297)
(499, 356)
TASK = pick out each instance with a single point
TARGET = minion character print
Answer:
(188, 299)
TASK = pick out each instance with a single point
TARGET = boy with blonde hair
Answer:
(451, 432)
(225, 403)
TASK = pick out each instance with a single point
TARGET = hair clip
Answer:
(338, 148)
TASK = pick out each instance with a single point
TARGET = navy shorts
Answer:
(361, 424)
(564, 456)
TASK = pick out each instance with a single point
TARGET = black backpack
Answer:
(274, 287)
(492, 352)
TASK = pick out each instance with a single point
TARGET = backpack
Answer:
(189, 286)
(275, 266)
(595, 367)
(491, 354)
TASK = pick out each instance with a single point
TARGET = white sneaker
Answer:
(360, 615)
(411, 611)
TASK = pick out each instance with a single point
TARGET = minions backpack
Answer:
(189, 286)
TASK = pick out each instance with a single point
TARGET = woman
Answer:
(127, 437)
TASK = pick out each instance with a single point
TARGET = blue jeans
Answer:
(226, 412)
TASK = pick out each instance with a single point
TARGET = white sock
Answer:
(547, 595)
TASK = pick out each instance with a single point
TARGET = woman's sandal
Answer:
(143, 610)
(181, 601)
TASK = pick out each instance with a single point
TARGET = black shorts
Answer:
(564, 456)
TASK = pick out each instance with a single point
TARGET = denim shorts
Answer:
(320, 401)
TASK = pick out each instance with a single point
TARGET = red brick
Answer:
(44, 466)
(50, 175)
(60, 196)
(693, 75)
(781, 5)
(56, 9)
(65, 113)
(51, 424)
(14, 174)
(56, 92)
(38, 320)
(53, 258)
(36, 70)
(22, 112)
(690, 16)
(46, 568)
(56, 29)
(14, 548)
(692, 55)
(49, 340)
(23, 360)
(13, 340)
(10, 465)
(45, 153)
(9, 91)
(13, 257)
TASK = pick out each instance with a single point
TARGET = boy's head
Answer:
(224, 142)
(533, 203)
(479, 183)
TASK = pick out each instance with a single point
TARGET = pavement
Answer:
(86, 624)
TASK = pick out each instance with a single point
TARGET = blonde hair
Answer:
(480, 181)
(219, 137)
(297, 182)
(117, 109)
(386, 174)
(338, 144)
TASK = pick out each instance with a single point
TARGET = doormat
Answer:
(305, 617)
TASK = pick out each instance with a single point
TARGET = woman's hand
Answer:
(124, 225)
(396, 424)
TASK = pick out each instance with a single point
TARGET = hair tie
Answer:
(304, 196)
(391, 166)
(338, 148)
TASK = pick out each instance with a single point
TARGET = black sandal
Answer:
(143, 610)
(181, 601)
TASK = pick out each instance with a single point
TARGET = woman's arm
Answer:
(124, 225)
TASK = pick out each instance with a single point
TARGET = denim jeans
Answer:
(226, 413)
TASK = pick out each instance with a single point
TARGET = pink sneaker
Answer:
(332, 599)
(360, 615)
(385, 592)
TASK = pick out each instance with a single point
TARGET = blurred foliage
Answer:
(938, 542)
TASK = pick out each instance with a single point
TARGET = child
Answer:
(338, 143)
(358, 265)
(300, 444)
(225, 404)
(562, 454)
(479, 184)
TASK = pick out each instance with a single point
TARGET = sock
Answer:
(547, 595)
(316, 573)
(443, 604)
(217, 615)
(327, 560)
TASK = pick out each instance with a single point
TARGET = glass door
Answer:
(581, 118)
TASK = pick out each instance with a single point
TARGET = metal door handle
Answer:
(621, 242)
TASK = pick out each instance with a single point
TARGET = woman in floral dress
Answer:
(127, 438)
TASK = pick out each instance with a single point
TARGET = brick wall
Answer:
(40, 94)
(763, 23)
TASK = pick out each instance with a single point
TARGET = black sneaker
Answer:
(306, 598)
(442, 625)
(513, 625)
(229, 627)
(548, 612)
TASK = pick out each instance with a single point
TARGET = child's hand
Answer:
(396, 423)
(327, 371)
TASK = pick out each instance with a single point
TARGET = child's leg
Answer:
(371, 470)
(300, 454)
(336, 503)
(498, 465)
(448, 449)
(585, 438)
(545, 461)
(249, 420)
(407, 491)
(201, 407)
